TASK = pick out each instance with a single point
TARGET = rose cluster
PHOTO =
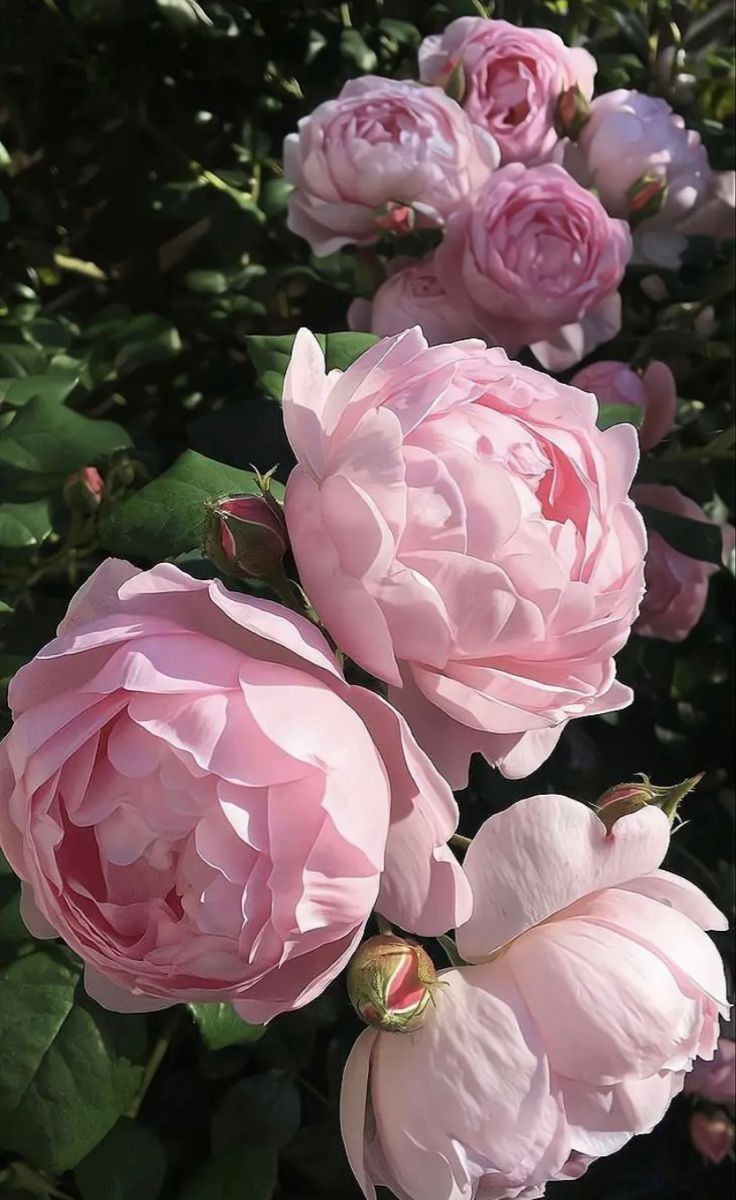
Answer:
(534, 185)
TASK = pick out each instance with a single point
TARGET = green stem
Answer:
(459, 842)
(345, 16)
(157, 1056)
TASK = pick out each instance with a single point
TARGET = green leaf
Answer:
(128, 1164)
(245, 1174)
(221, 1026)
(354, 48)
(68, 1068)
(696, 539)
(56, 385)
(183, 14)
(619, 414)
(23, 525)
(270, 355)
(262, 1110)
(165, 518)
(47, 441)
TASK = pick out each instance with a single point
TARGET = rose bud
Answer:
(712, 1135)
(646, 196)
(626, 798)
(246, 536)
(571, 113)
(396, 218)
(391, 982)
(84, 489)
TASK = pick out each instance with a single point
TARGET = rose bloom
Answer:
(513, 80)
(463, 530)
(411, 295)
(381, 142)
(203, 808)
(676, 585)
(716, 1080)
(654, 393)
(628, 135)
(591, 990)
(537, 261)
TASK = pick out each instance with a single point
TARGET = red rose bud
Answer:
(626, 798)
(84, 489)
(390, 983)
(396, 218)
(453, 82)
(646, 196)
(246, 536)
(572, 112)
(712, 1134)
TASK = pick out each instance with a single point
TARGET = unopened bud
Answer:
(646, 196)
(391, 982)
(627, 798)
(396, 218)
(572, 113)
(712, 1134)
(246, 536)
(84, 489)
(453, 82)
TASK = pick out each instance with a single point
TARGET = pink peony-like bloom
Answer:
(411, 295)
(382, 148)
(716, 1080)
(676, 585)
(463, 529)
(537, 261)
(203, 808)
(513, 79)
(591, 990)
(629, 136)
(654, 393)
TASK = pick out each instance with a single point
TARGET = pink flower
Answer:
(84, 489)
(676, 585)
(716, 1080)
(538, 262)
(591, 989)
(411, 295)
(513, 79)
(463, 530)
(654, 392)
(200, 805)
(630, 135)
(712, 1135)
(383, 147)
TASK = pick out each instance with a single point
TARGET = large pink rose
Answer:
(676, 585)
(411, 295)
(463, 530)
(538, 262)
(654, 393)
(591, 991)
(203, 809)
(381, 142)
(513, 80)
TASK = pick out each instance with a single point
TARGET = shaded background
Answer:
(143, 237)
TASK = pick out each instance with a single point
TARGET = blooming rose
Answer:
(463, 530)
(653, 392)
(592, 989)
(538, 262)
(630, 135)
(381, 142)
(411, 295)
(716, 1080)
(513, 79)
(203, 808)
(676, 585)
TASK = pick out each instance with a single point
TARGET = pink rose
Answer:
(203, 808)
(382, 147)
(716, 1080)
(538, 262)
(411, 295)
(676, 585)
(712, 1135)
(591, 988)
(629, 136)
(463, 530)
(654, 393)
(513, 79)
